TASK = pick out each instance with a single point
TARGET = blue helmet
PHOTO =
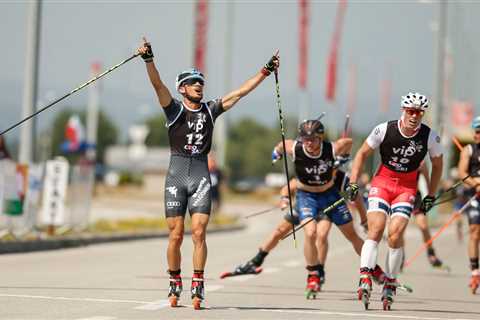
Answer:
(476, 123)
(188, 74)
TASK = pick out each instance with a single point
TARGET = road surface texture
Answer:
(128, 280)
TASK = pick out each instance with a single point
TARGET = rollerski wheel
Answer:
(174, 290)
(389, 290)
(364, 297)
(197, 303)
(198, 291)
(173, 301)
(387, 304)
(474, 283)
(313, 286)
(365, 287)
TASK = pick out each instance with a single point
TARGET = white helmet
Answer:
(415, 100)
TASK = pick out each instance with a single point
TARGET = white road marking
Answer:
(271, 270)
(242, 278)
(72, 299)
(154, 305)
(212, 287)
(292, 263)
(364, 315)
(98, 318)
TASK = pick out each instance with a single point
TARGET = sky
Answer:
(377, 36)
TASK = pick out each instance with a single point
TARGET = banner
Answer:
(55, 191)
(201, 29)
(303, 43)
(331, 81)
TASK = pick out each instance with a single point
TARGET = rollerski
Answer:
(389, 290)
(475, 281)
(365, 287)
(378, 276)
(313, 286)
(174, 290)
(247, 268)
(198, 291)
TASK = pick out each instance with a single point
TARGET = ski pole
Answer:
(260, 212)
(280, 116)
(326, 210)
(69, 94)
(425, 245)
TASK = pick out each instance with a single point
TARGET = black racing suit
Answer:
(190, 135)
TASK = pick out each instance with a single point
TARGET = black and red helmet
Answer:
(310, 128)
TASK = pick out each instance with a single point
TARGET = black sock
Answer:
(474, 263)
(430, 251)
(174, 272)
(312, 269)
(258, 259)
(321, 270)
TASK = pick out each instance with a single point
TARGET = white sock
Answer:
(393, 262)
(368, 258)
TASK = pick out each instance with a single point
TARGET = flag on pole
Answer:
(74, 136)
(303, 43)
(331, 80)
(201, 25)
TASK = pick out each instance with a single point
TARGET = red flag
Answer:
(303, 43)
(201, 25)
(332, 58)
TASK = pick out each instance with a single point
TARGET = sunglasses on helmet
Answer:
(192, 81)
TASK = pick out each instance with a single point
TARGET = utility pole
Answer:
(439, 112)
(220, 132)
(92, 116)
(30, 89)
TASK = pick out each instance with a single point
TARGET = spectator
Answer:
(216, 178)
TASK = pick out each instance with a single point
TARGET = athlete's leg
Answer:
(175, 239)
(323, 229)
(280, 231)
(396, 229)
(309, 247)
(352, 236)
(199, 227)
(473, 243)
(422, 222)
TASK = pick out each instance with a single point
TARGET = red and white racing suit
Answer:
(394, 185)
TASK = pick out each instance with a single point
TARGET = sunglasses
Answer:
(477, 131)
(192, 81)
(412, 112)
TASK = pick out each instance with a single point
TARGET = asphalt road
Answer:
(128, 281)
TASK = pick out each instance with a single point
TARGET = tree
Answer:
(249, 148)
(107, 133)
(158, 133)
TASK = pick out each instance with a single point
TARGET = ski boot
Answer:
(175, 289)
(313, 286)
(198, 291)
(378, 275)
(389, 290)
(475, 281)
(365, 286)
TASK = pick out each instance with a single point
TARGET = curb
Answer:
(65, 242)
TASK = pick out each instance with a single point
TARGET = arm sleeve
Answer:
(172, 110)
(434, 147)
(216, 108)
(377, 135)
